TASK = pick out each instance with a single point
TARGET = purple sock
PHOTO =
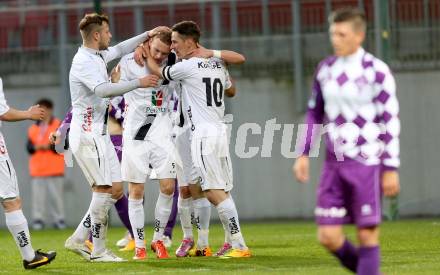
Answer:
(172, 219)
(122, 209)
(348, 255)
(369, 261)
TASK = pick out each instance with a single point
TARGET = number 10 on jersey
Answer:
(213, 90)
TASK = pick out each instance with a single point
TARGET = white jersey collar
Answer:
(357, 56)
(89, 50)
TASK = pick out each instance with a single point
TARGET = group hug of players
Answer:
(162, 109)
(172, 110)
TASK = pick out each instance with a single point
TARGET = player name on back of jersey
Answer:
(209, 64)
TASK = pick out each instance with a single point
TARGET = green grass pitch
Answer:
(408, 247)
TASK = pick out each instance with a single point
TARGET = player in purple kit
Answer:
(354, 96)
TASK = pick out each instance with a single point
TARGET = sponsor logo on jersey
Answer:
(3, 150)
(157, 98)
(156, 103)
(155, 110)
(87, 120)
(22, 239)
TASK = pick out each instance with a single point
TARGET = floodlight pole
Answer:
(298, 70)
(382, 40)
(97, 6)
(63, 64)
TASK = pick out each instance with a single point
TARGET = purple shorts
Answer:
(117, 143)
(349, 192)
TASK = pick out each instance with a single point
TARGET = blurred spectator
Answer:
(47, 170)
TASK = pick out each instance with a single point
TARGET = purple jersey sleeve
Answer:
(65, 124)
(388, 115)
(315, 113)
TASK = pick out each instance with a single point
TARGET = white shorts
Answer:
(210, 155)
(186, 172)
(98, 160)
(139, 157)
(8, 181)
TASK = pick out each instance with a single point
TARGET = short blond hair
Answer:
(92, 22)
(164, 36)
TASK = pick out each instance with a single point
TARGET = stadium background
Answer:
(283, 40)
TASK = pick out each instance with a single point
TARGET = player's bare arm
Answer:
(230, 57)
(129, 45)
(33, 113)
(301, 169)
(115, 74)
(155, 69)
(232, 90)
(390, 183)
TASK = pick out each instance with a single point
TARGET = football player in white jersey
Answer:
(147, 145)
(147, 142)
(89, 139)
(190, 196)
(203, 82)
(9, 194)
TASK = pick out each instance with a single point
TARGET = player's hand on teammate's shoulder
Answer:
(115, 74)
(201, 52)
(301, 169)
(390, 183)
(149, 81)
(36, 112)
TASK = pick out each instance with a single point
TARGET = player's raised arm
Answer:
(129, 45)
(108, 89)
(230, 57)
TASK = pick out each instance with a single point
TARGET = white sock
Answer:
(162, 214)
(227, 234)
(229, 218)
(99, 207)
(184, 208)
(137, 220)
(82, 231)
(202, 216)
(18, 226)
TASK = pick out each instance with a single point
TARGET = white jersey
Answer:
(3, 109)
(89, 111)
(203, 82)
(147, 110)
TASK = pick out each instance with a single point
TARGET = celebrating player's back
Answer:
(203, 83)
